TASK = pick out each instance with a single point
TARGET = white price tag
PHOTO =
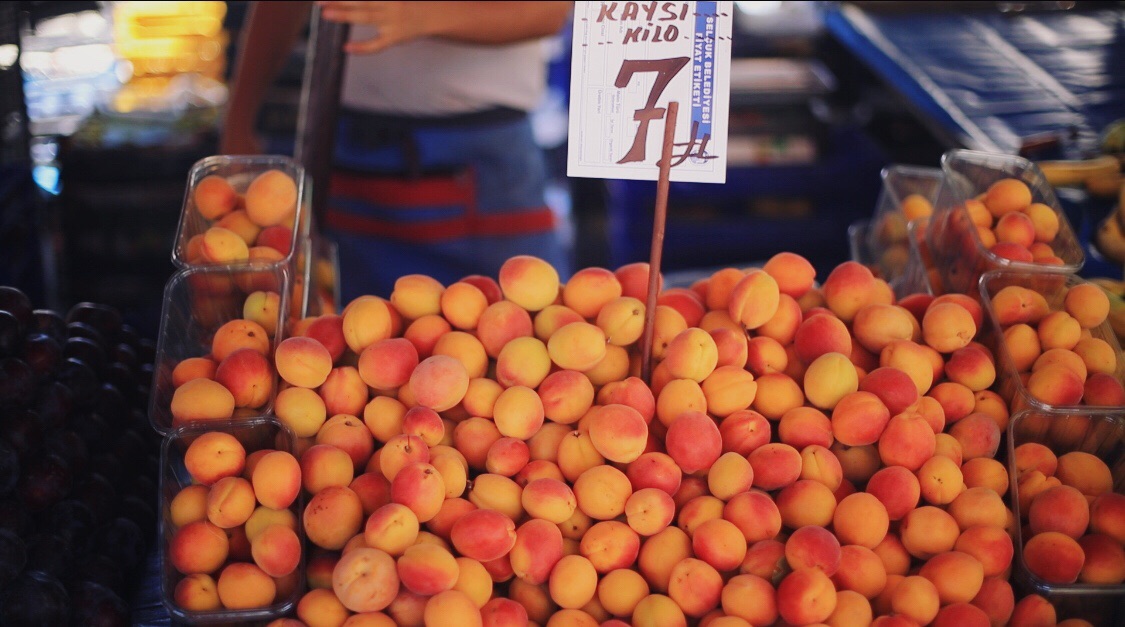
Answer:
(630, 59)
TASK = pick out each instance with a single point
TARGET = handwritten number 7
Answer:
(666, 70)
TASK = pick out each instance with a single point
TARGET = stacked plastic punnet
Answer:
(990, 226)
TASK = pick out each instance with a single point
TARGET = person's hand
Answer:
(394, 22)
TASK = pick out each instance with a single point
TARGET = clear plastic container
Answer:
(197, 301)
(1053, 287)
(255, 434)
(889, 225)
(240, 171)
(324, 297)
(907, 274)
(1102, 434)
(956, 246)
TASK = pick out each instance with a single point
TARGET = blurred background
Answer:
(104, 106)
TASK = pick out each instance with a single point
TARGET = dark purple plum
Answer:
(11, 334)
(9, 468)
(81, 329)
(98, 569)
(54, 404)
(140, 511)
(87, 350)
(95, 605)
(121, 376)
(122, 541)
(104, 318)
(43, 353)
(99, 495)
(70, 520)
(125, 354)
(13, 556)
(50, 323)
(23, 430)
(15, 518)
(45, 481)
(49, 553)
(16, 303)
(80, 378)
(34, 599)
(17, 382)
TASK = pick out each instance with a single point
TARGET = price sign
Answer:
(630, 59)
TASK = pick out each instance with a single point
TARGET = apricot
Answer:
(1054, 557)
(916, 598)
(928, 531)
(230, 502)
(753, 299)
(219, 245)
(806, 502)
(197, 593)
(244, 586)
(978, 434)
(198, 547)
(451, 607)
(201, 399)
(818, 335)
(213, 456)
(1061, 508)
(694, 441)
(619, 432)
(529, 282)
(602, 492)
(777, 393)
(271, 198)
(861, 519)
(695, 586)
(1107, 515)
(813, 547)
(1087, 304)
(1105, 560)
(940, 480)
(573, 582)
(501, 612)
(792, 272)
(978, 506)
(908, 440)
(538, 547)
(806, 596)
(619, 591)
(849, 287)
(214, 197)
(658, 610)
(775, 465)
(828, 379)
(1086, 472)
(911, 358)
(622, 320)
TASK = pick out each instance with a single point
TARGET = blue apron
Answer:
(445, 198)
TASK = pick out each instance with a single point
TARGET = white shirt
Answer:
(434, 77)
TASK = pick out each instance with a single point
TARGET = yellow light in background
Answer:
(170, 38)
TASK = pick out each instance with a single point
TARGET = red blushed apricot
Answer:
(916, 598)
(911, 358)
(654, 470)
(365, 580)
(793, 273)
(1054, 557)
(805, 426)
(695, 586)
(484, 535)
(719, 543)
(820, 335)
(501, 322)
(1105, 560)
(1034, 456)
(729, 475)
(732, 347)
(634, 279)
(775, 466)
(849, 287)
(1107, 515)
(567, 395)
(685, 301)
(894, 388)
(956, 400)
(694, 441)
(1045, 221)
(332, 517)
(821, 465)
(198, 547)
(764, 356)
(387, 364)
(861, 519)
(1103, 390)
(619, 432)
(785, 321)
(753, 299)
(744, 431)
(755, 514)
(303, 362)
(860, 417)
(978, 434)
(861, 571)
(538, 547)
(998, 601)
(806, 502)
(1033, 609)
(991, 546)
(877, 325)
(1015, 304)
(765, 559)
(1015, 228)
(813, 547)
(214, 197)
(805, 597)
(972, 367)
(908, 441)
(1061, 508)
(277, 550)
(501, 612)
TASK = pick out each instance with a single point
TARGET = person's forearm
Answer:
(493, 23)
(269, 35)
